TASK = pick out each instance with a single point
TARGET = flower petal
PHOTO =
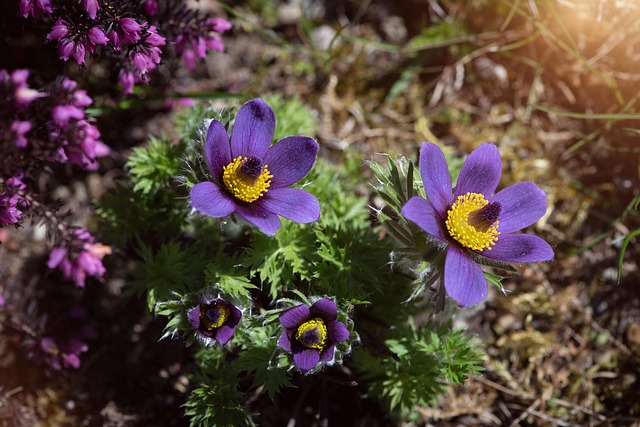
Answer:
(290, 159)
(337, 331)
(435, 177)
(292, 203)
(265, 220)
(253, 130)
(194, 316)
(224, 334)
(481, 171)
(326, 308)
(327, 354)
(521, 205)
(294, 316)
(235, 317)
(209, 199)
(217, 148)
(284, 342)
(421, 212)
(463, 278)
(520, 248)
(306, 359)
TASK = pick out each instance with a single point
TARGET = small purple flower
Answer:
(62, 114)
(91, 6)
(59, 30)
(66, 355)
(79, 259)
(311, 333)
(35, 8)
(150, 7)
(251, 177)
(97, 36)
(474, 219)
(19, 128)
(127, 80)
(214, 319)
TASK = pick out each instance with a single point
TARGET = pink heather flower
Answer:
(58, 30)
(153, 38)
(150, 7)
(219, 25)
(19, 77)
(25, 96)
(77, 264)
(9, 213)
(114, 37)
(62, 114)
(79, 52)
(97, 36)
(81, 99)
(65, 49)
(91, 6)
(1, 301)
(35, 8)
(130, 30)
(127, 81)
(19, 129)
(140, 62)
(214, 42)
(59, 356)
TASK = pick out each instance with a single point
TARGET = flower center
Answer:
(214, 315)
(246, 178)
(312, 334)
(473, 221)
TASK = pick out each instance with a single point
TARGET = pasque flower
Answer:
(472, 219)
(251, 177)
(214, 319)
(311, 333)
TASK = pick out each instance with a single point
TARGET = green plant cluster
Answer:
(177, 255)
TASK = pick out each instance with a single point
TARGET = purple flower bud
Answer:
(25, 7)
(65, 48)
(97, 36)
(153, 38)
(115, 39)
(127, 81)
(131, 30)
(140, 62)
(200, 48)
(189, 58)
(219, 25)
(58, 30)
(25, 95)
(215, 43)
(19, 129)
(78, 53)
(150, 7)
(68, 84)
(91, 7)
(19, 77)
(81, 99)
(61, 114)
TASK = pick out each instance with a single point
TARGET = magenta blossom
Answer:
(215, 320)
(311, 333)
(474, 220)
(80, 259)
(251, 177)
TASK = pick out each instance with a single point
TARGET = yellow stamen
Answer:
(245, 186)
(312, 334)
(459, 226)
(209, 313)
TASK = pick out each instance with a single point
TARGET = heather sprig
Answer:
(133, 35)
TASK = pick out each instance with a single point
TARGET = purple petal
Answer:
(463, 278)
(520, 248)
(56, 256)
(209, 199)
(337, 331)
(521, 205)
(481, 171)
(421, 212)
(294, 316)
(326, 308)
(253, 131)
(290, 159)
(435, 177)
(306, 359)
(224, 334)
(284, 342)
(194, 316)
(235, 317)
(266, 221)
(327, 354)
(217, 148)
(291, 203)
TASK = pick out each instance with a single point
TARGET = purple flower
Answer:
(62, 114)
(311, 333)
(97, 36)
(59, 30)
(91, 6)
(19, 129)
(80, 259)
(127, 80)
(251, 177)
(474, 219)
(214, 319)
(66, 355)
(35, 8)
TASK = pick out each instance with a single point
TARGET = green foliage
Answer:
(418, 364)
(154, 167)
